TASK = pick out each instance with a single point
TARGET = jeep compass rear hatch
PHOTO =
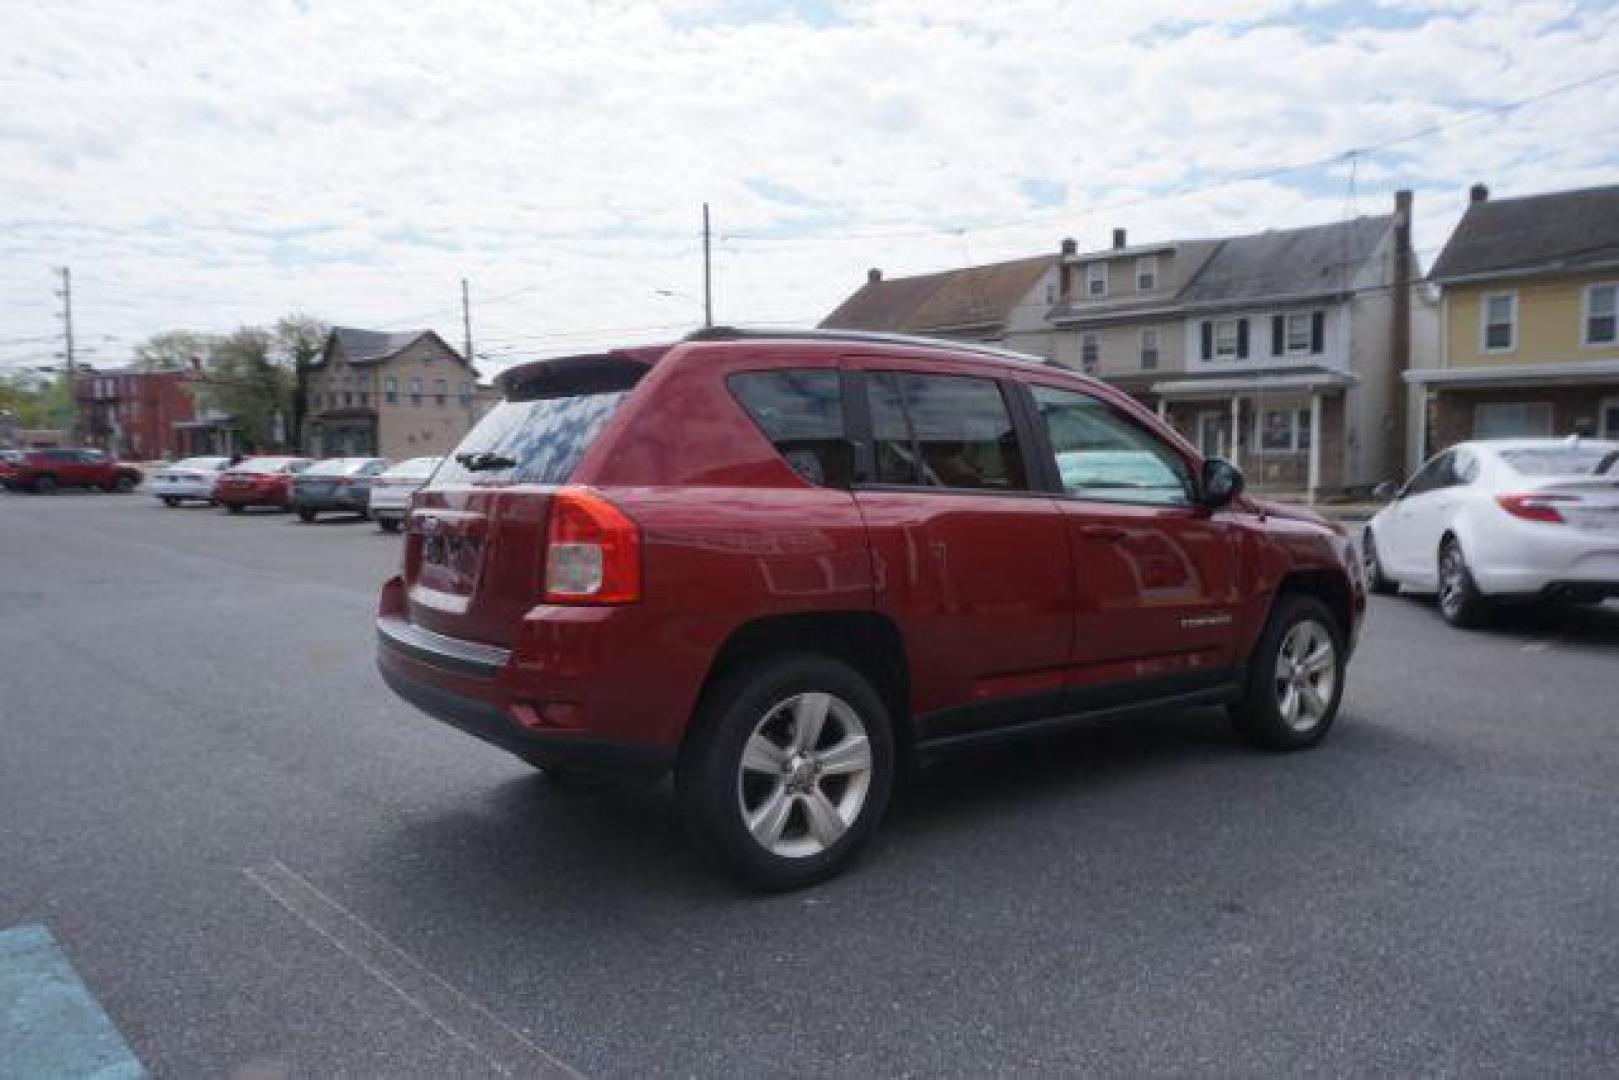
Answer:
(475, 539)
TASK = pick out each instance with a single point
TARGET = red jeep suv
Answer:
(46, 471)
(782, 564)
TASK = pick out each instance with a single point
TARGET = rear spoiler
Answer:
(587, 373)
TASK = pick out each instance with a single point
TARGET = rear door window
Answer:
(947, 431)
(801, 413)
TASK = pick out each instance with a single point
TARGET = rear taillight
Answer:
(1533, 507)
(592, 552)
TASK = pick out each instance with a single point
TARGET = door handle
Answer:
(1103, 534)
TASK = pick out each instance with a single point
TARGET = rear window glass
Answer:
(529, 442)
(335, 467)
(1587, 460)
(263, 465)
(203, 464)
(801, 413)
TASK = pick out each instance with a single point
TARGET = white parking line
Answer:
(506, 1050)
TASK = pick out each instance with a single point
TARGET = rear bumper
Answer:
(467, 685)
(250, 498)
(351, 503)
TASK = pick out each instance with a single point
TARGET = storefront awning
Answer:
(1573, 373)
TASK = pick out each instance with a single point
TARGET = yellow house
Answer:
(1529, 323)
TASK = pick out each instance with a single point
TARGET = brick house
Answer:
(1529, 323)
(133, 413)
(393, 394)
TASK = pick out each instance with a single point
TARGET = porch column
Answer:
(1236, 431)
(1163, 409)
(1315, 448)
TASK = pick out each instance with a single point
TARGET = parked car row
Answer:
(371, 487)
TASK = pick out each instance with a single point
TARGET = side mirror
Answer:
(1221, 483)
(1387, 491)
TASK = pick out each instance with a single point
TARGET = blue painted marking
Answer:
(50, 1026)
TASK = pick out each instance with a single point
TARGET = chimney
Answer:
(874, 275)
(1478, 193)
(1118, 238)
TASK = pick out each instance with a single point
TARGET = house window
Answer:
(314, 401)
(466, 393)
(365, 397)
(416, 390)
(441, 390)
(1090, 352)
(1051, 293)
(1500, 314)
(1226, 335)
(1285, 430)
(1146, 273)
(1601, 313)
(1149, 346)
(1512, 419)
(1096, 279)
(348, 397)
(1298, 332)
(1609, 426)
(390, 390)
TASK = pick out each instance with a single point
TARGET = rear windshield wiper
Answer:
(484, 460)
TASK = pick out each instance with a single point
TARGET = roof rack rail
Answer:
(873, 337)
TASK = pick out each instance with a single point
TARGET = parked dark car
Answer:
(780, 565)
(46, 471)
(258, 481)
(335, 484)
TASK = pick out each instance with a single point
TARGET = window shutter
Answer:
(1278, 335)
(1318, 331)
(1242, 339)
(1208, 340)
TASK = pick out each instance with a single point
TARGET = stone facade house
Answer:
(391, 394)
(1529, 323)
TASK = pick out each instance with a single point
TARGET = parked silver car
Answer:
(391, 491)
(191, 478)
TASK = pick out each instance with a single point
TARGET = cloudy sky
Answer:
(209, 164)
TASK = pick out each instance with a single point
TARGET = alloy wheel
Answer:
(1306, 675)
(1452, 580)
(804, 775)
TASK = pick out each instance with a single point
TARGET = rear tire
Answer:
(235, 508)
(306, 516)
(124, 485)
(1376, 580)
(388, 524)
(45, 485)
(1296, 677)
(1461, 604)
(787, 770)
(170, 501)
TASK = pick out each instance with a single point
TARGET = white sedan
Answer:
(391, 490)
(192, 478)
(1499, 520)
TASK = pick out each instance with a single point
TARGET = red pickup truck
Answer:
(44, 471)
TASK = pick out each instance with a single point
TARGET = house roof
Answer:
(973, 296)
(373, 346)
(1190, 257)
(1313, 261)
(1556, 231)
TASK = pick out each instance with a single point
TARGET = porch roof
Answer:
(1256, 382)
(1555, 374)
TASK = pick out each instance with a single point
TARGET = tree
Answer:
(172, 350)
(243, 379)
(301, 338)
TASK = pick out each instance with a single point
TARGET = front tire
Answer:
(1461, 604)
(788, 770)
(45, 485)
(306, 516)
(388, 524)
(235, 508)
(1376, 580)
(170, 501)
(124, 485)
(1296, 677)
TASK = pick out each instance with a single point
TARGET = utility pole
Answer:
(708, 275)
(472, 368)
(66, 293)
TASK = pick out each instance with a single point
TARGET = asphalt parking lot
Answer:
(261, 863)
